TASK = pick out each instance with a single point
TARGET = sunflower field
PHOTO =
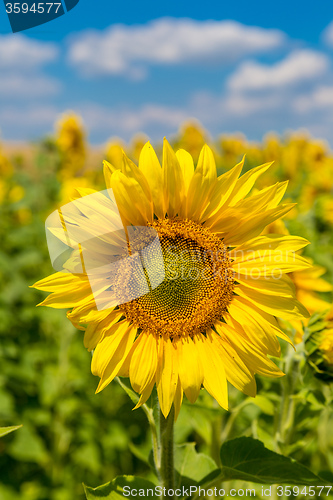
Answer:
(268, 433)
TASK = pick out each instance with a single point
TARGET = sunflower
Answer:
(319, 345)
(212, 316)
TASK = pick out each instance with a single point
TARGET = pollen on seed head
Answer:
(198, 284)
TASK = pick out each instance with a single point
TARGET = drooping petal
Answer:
(256, 361)
(107, 347)
(118, 351)
(215, 381)
(191, 373)
(143, 364)
(237, 373)
(178, 398)
(241, 309)
(96, 330)
(167, 374)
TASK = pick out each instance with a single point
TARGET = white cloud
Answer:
(126, 49)
(22, 53)
(297, 67)
(100, 118)
(19, 122)
(327, 35)
(320, 98)
(232, 107)
(27, 86)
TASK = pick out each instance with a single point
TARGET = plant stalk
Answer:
(167, 471)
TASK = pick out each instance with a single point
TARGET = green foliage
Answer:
(247, 459)
(192, 468)
(114, 490)
(8, 430)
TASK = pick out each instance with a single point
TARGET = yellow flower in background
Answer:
(114, 152)
(192, 137)
(308, 283)
(71, 142)
(16, 194)
(69, 188)
(326, 346)
(137, 143)
(213, 317)
(319, 345)
(327, 209)
(6, 168)
(3, 190)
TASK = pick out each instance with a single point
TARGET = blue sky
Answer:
(149, 66)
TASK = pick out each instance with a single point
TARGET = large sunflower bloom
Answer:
(195, 329)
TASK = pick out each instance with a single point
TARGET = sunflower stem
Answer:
(167, 472)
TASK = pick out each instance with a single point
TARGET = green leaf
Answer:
(247, 459)
(114, 490)
(266, 405)
(132, 395)
(192, 468)
(7, 430)
(28, 446)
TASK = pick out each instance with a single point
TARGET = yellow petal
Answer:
(167, 375)
(222, 190)
(236, 371)
(133, 205)
(132, 171)
(264, 199)
(145, 395)
(190, 370)
(107, 347)
(118, 353)
(257, 246)
(282, 286)
(173, 181)
(151, 168)
(178, 398)
(215, 381)
(281, 307)
(60, 281)
(253, 357)
(143, 363)
(69, 298)
(254, 225)
(202, 184)
(186, 164)
(108, 170)
(240, 307)
(246, 183)
(96, 331)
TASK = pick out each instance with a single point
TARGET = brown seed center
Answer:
(197, 287)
